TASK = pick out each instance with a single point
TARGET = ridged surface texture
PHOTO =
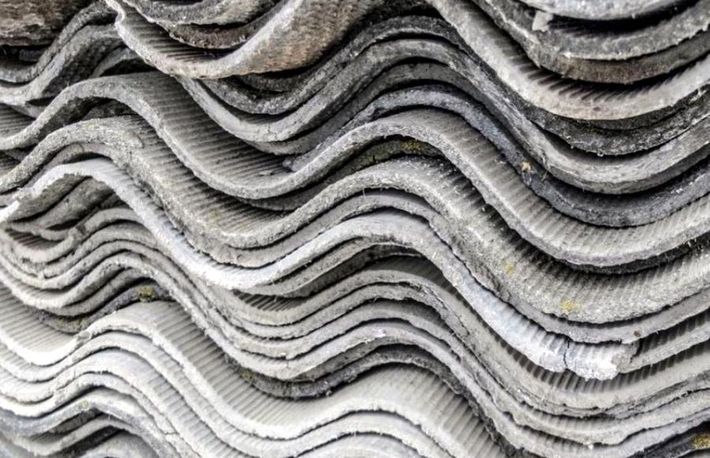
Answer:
(354, 228)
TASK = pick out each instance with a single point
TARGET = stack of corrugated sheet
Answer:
(446, 228)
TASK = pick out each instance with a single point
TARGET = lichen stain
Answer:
(146, 293)
(508, 268)
(568, 306)
(413, 146)
(701, 441)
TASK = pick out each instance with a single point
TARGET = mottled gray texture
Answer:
(438, 227)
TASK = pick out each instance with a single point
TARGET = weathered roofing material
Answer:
(438, 227)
